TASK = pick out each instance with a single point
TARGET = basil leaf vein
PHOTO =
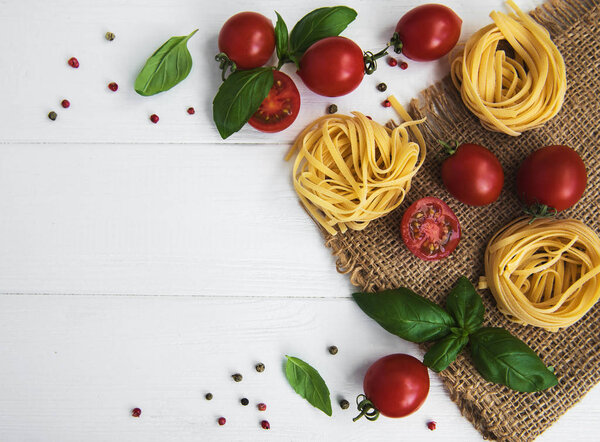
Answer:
(406, 314)
(239, 97)
(166, 67)
(465, 305)
(504, 359)
(308, 383)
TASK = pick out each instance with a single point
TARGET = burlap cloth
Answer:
(377, 259)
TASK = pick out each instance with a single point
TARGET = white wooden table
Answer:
(141, 265)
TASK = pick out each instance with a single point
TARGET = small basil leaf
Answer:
(308, 383)
(406, 314)
(168, 66)
(281, 39)
(464, 303)
(318, 24)
(239, 97)
(444, 351)
(504, 359)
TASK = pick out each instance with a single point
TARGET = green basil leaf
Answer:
(318, 24)
(308, 383)
(168, 66)
(406, 314)
(281, 40)
(239, 97)
(464, 303)
(504, 359)
(444, 351)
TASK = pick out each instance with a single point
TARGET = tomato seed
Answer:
(73, 62)
(113, 86)
(392, 61)
(154, 118)
(136, 412)
(65, 103)
(222, 421)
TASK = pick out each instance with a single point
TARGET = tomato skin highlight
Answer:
(430, 229)
(553, 175)
(397, 384)
(280, 109)
(248, 39)
(473, 175)
(332, 66)
(428, 32)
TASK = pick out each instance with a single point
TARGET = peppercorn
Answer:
(154, 118)
(381, 87)
(333, 350)
(52, 115)
(222, 421)
(244, 401)
(265, 425)
(261, 407)
(386, 103)
(109, 36)
(113, 86)
(332, 109)
(368, 117)
(344, 404)
(136, 412)
(73, 62)
(208, 396)
(431, 425)
(403, 65)
(260, 367)
(237, 377)
(392, 61)
(191, 111)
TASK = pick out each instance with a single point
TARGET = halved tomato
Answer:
(430, 229)
(280, 108)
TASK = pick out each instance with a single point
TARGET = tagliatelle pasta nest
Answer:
(350, 170)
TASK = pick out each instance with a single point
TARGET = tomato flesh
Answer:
(428, 32)
(554, 176)
(397, 384)
(430, 229)
(332, 66)
(279, 110)
(248, 39)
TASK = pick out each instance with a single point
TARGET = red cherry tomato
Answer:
(332, 66)
(430, 229)
(554, 176)
(281, 106)
(397, 385)
(248, 39)
(473, 175)
(428, 32)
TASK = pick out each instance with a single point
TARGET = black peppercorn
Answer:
(208, 396)
(109, 36)
(260, 367)
(333, 350)
(237, 377)
(244, 401)
(344, 404)
(332, 109)
(381, 87)
(52, 115)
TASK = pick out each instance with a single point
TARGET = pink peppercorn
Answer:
(265, 425)
(136, 412)
(113, 86)
(386, 103)
(369, 117)
(154, 118)
(392, 61)
(191, 111)
(403, 65)
(261, 407)
(65, 103)
(431, 425)
(73, 62)
(222, 421)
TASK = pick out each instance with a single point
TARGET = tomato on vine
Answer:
(395, 386)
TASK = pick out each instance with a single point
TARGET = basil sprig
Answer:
(498, 356)
(308, 383)
(405, 314)
(166, 67)
(239, 97)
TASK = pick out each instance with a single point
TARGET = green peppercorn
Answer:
(333, 350)
(109, 36)
(52, 115)
(381, 87)
(244, 401)
(208, 396)
(237, 377)
(260, 367)
(332, 109)
(344, 404)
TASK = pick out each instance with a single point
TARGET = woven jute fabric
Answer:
(376, 258)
